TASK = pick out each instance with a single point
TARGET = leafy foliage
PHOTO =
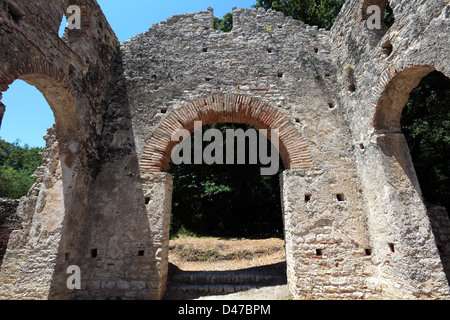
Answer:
(321, 13)
(17, 164)
(388, 17)
(426, 125)
(225, 24)
(225, 200)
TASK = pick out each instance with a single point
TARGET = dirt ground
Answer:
(213, 254)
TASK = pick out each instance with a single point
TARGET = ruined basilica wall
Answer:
(383, 77)
(73, 74)
(286, 64)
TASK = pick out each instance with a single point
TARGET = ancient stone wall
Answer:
(356, 226)
(73, 74)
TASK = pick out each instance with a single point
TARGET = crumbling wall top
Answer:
(245, 21)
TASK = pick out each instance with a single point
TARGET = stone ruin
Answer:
(356, 225)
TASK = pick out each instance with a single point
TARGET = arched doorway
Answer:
(400, 192)
(44, 209)
(23, 127)
(158, 153)
(227, 222)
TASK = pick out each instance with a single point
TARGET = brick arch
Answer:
(55, 86)
(293, 150)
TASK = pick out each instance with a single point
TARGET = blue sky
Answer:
(28, 115)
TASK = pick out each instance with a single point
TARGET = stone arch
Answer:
(377, 34)
(54, 84)
(294, 151)
(56, 194)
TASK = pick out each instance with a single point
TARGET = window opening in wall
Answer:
(391, 247)
(94, 253)
(387, 48)
(147, 200)
(340, 197)
(141, 253)
(352, 88)
(368, 252)
(307, 198)
(15, 13)
(319, 252)
(72, 69)
(280, 74)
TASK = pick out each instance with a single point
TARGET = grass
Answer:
(318, 76)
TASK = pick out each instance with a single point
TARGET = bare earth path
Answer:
(218, 269)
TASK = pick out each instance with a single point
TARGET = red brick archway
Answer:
(294, 151)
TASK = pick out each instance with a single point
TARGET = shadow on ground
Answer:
(191, 285)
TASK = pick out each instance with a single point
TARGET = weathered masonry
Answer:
(356, 225)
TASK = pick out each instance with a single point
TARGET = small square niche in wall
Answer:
(340, 197)
(307, 198)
